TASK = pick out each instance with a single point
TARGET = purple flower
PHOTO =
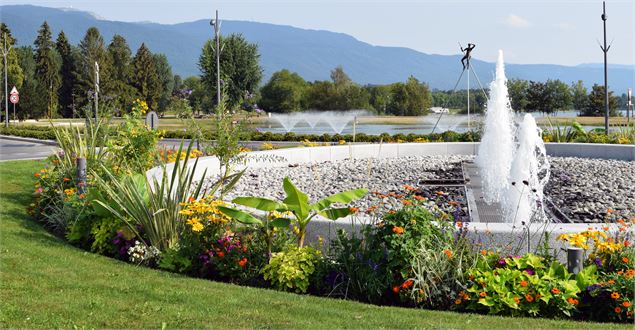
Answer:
(530, 271)
(598, 262)
(502, 262)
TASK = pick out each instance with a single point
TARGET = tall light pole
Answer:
(5, 52)
(96, 90)
(216, 24)
(605, 49)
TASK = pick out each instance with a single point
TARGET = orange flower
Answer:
(484, 252)
(630, 273)
(353, 210)
(242, 262)
(627, 243)
(191, 199)
(396, 289)
(617, 310)
(483, 294)
(572, 301)
(529, 298)
(523, 283)
(609, 211)
(406, 202)
(457, 301)
(407, 284)
(419, 198)
(220, 254)
(37, 174)
(538, 296)
(398, 230)
(625, 259)
(466, 297)
(409, 187)
(67, 179)
(517, 300)
(626, 304)
(392, 212)
(448, 253)
(555, 291)
(605, 228)
(459, 224)
(440, 193)
(615, 295)
(610, 282)
(453, 203)
(82, 196)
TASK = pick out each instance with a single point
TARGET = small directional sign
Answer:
(152, 120)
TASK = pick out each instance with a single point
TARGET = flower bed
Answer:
(416, 256)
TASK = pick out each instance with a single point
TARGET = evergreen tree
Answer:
(91, 51)
(240, 70)
(595, 103)
(15, 75)
(65, 50)
(146, 79)
(121, 88)
(47, 69)
(30, 97)
(164, 71)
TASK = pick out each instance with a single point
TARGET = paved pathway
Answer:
(14, 150)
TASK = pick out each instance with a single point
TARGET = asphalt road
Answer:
(14, 150)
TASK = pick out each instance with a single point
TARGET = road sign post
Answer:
(14, 98)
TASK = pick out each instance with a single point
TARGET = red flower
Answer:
(242, 262)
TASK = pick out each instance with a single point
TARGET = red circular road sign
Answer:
(14, 98)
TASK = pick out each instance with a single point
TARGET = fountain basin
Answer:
(490, 234)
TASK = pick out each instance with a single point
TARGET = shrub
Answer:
(522, 286)
(292, 269)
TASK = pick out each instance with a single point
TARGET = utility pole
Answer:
(5, 52)
(605, 49)
(216, 24)
(96, 91)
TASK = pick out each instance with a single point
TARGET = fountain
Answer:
(496, 151)
(529, 174)
(336, 120)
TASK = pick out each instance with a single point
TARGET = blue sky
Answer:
(537, 31)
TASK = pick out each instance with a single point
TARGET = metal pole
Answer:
(5, 52)
(468, 95)
(15, 121)
(96, 90)
(81, 175)
(217, 33)
(605, 49)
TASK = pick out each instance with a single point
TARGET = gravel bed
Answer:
(583, 189)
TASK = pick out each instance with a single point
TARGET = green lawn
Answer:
(46, 283)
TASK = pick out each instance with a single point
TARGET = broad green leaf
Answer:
(296, 201)
(334, 214)
(280, 222)
(258, 203)
(240, 216)
(344, 197)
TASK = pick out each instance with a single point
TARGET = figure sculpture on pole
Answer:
(466, 58)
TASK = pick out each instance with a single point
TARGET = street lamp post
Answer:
(5, 52)
(96, 90)
(216, 24)
(605, 49)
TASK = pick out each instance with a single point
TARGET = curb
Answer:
(25, 139)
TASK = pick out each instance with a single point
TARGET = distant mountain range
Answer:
(311, 53)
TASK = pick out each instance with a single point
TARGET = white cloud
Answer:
(516, 21)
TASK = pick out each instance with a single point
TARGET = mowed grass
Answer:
(45, 283)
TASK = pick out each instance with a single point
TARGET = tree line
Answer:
(57, 79)
(553, 96)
